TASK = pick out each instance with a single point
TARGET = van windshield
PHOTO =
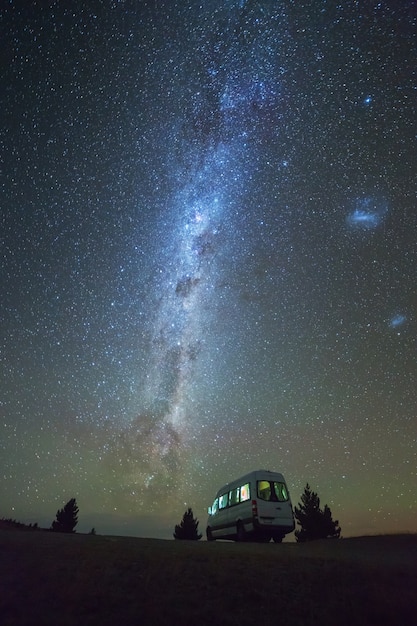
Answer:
(272, 491)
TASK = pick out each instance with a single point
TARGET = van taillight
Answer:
(254, 509)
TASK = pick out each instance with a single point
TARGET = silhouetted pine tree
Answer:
(188, 528)
(315, 523)
(66, 518)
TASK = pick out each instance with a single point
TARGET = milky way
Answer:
(237, 94)
(208, 257)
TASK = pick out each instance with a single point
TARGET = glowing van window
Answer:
(234, 496)
(245, 492)
(272, 491)
(281, 492)
(215, 507)
(223, 501)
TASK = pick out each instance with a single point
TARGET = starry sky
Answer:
(209, 253)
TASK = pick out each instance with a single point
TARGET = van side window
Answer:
(223, 501)
(245, 492)
(234, 496)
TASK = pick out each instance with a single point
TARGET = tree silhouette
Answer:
(188, 528)
(66, 518)
(315, 523)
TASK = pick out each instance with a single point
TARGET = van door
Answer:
(274, 506)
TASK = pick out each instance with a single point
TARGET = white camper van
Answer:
(254, 507)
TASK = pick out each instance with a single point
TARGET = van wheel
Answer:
(241, 534)
(209, 534)
(278, 538)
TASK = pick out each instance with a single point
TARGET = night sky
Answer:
(209, 254)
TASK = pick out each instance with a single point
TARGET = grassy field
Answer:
(60, 580)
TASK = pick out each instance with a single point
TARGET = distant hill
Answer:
(12, 524)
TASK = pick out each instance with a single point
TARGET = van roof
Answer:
(255, 475)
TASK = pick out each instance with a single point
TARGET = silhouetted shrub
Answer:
(12, 523)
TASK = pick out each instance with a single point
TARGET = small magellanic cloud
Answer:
(398, 320)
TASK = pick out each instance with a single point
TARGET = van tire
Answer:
(209, 534)
(277, 538)
(241, 534)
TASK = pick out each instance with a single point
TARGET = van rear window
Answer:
(272, 491)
